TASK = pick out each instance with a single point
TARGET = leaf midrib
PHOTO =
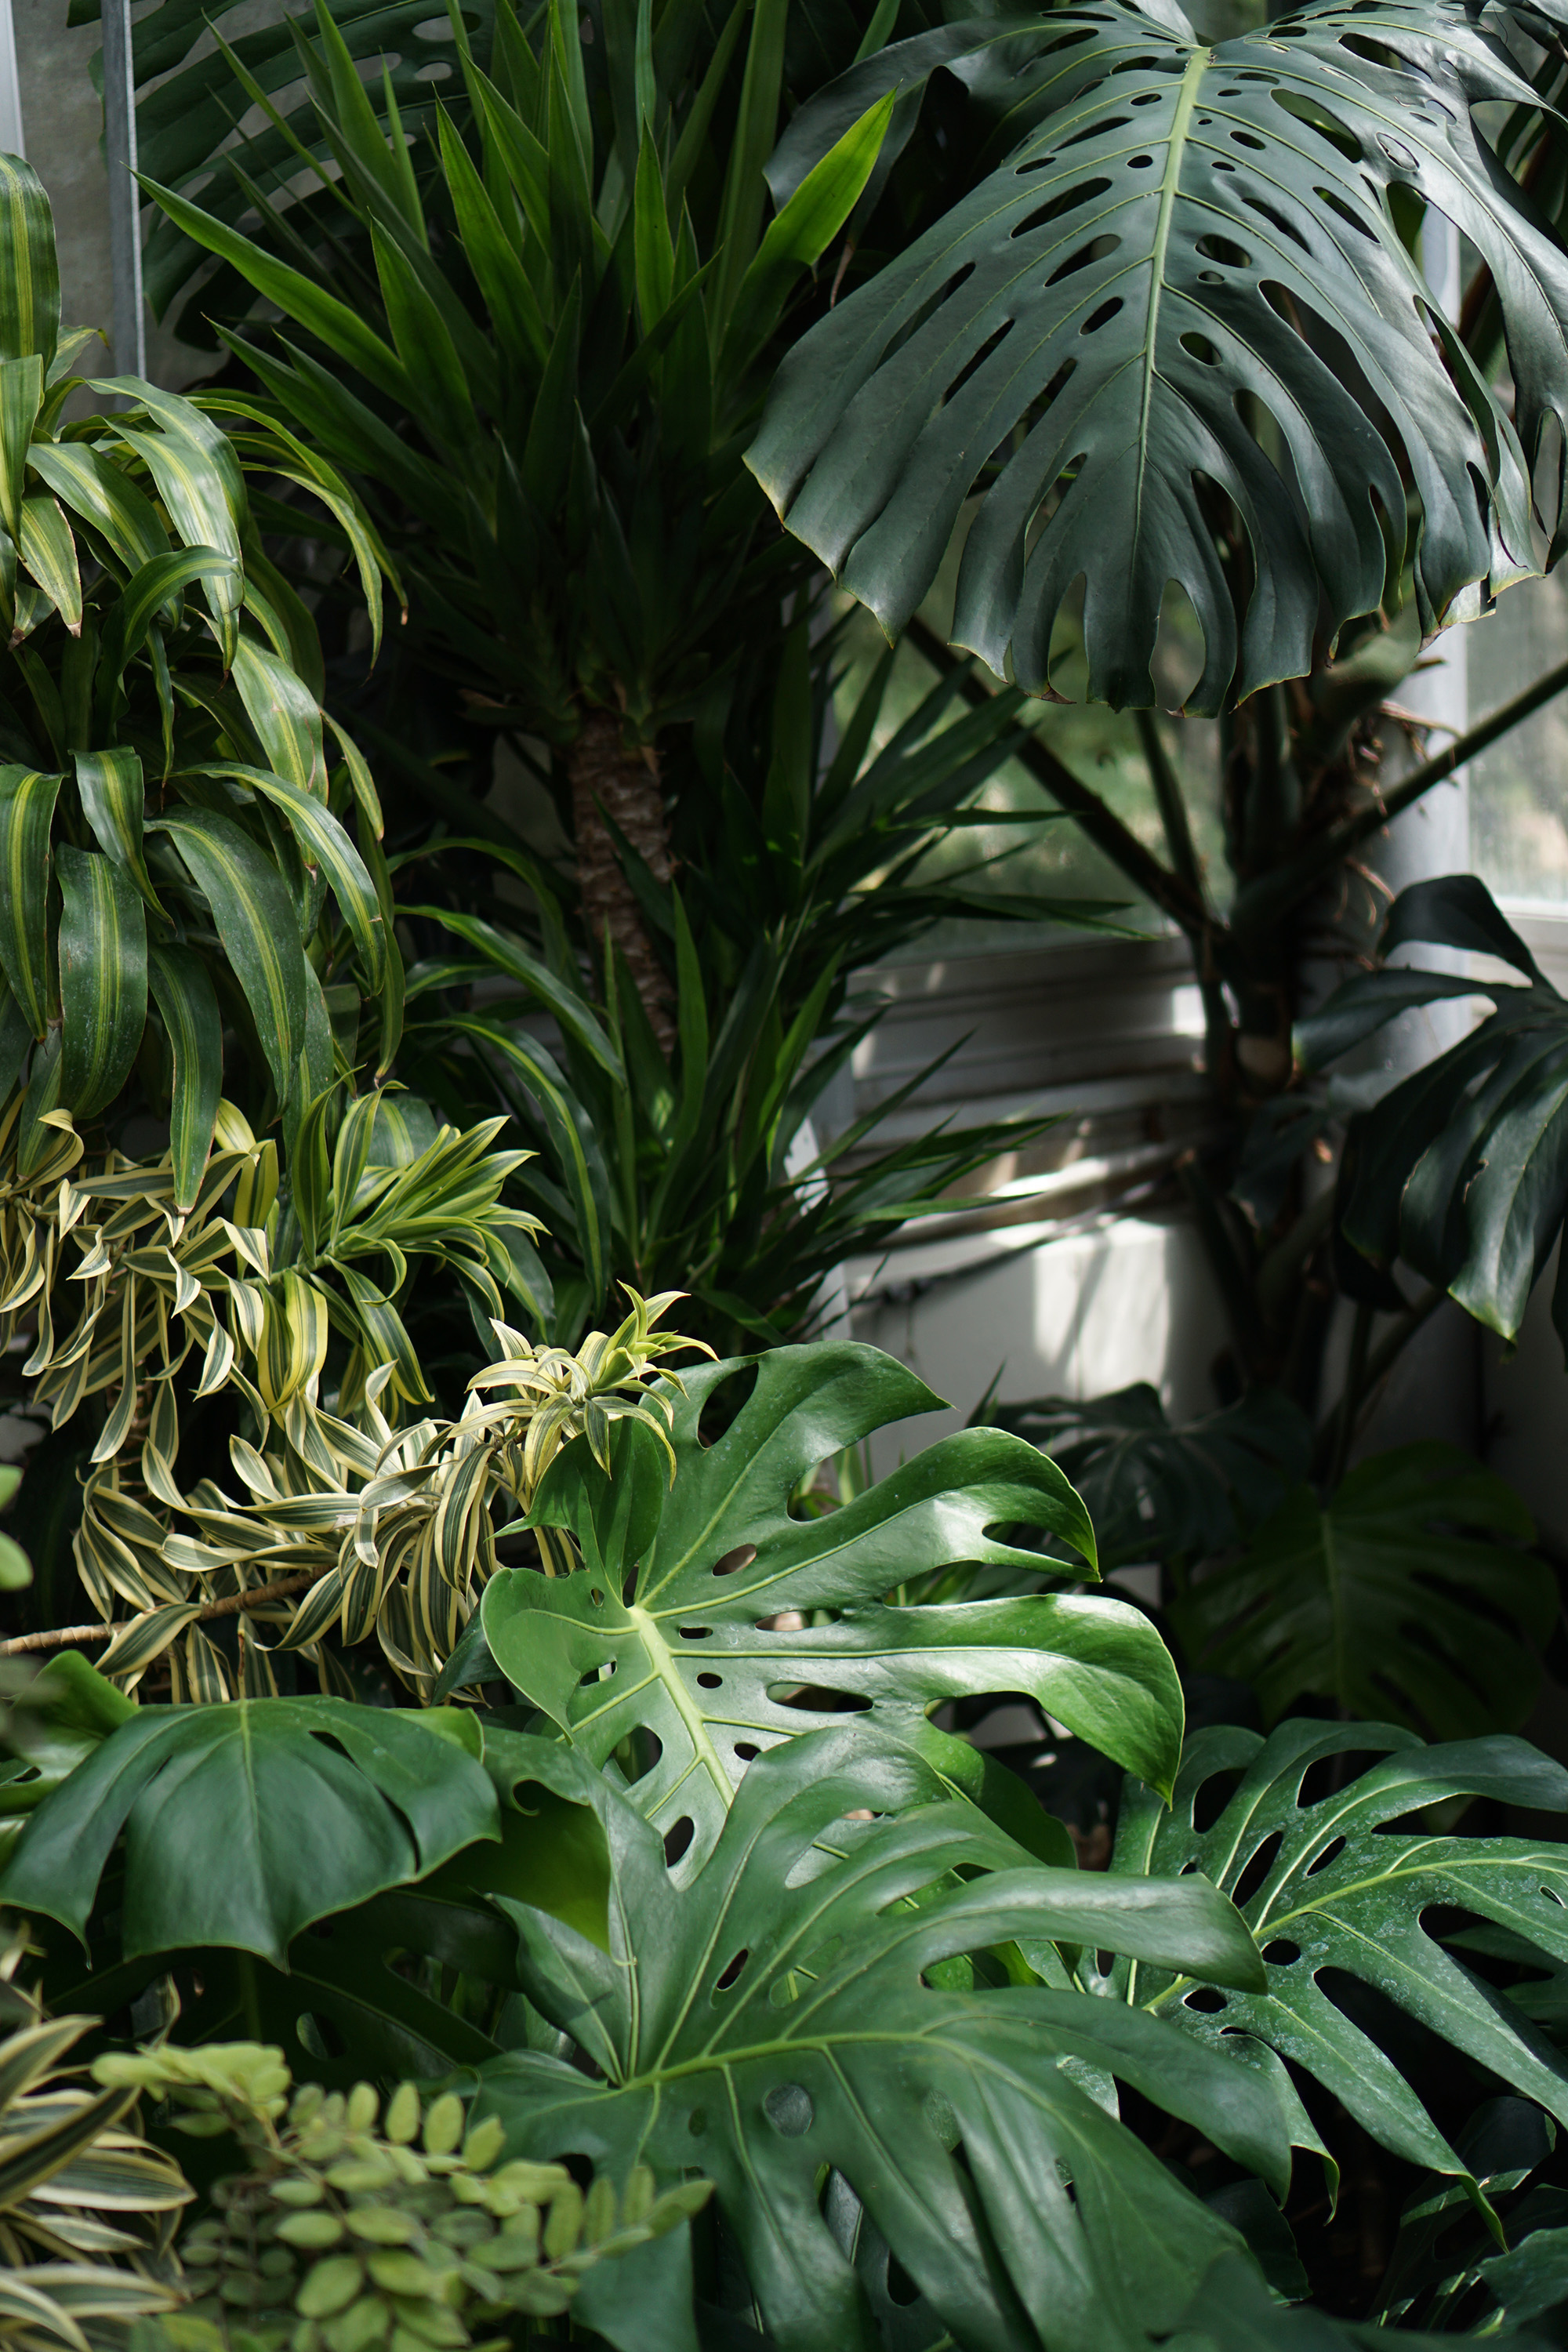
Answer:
(1169, 187)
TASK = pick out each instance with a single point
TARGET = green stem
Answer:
(1355, 1384)
(1170, 892)
(1266, 900)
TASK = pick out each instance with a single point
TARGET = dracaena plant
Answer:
(542, 352)
(168, 833)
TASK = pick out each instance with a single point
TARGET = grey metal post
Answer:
(124, 196)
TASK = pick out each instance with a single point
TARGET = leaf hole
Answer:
(1258, 1868)
(1096, 249)
(710, 1682)
(742, 1557)
(1139, 163)
(320, 2037)
(1102, 317)
(697, 1632)
(1095, 131)
(1282, 1953)
(1220, 164)
(1149, 98)
(1210, 277)
(732, 1973)
(676, 1839)
(1221, 249)
(1069, 202)
(1277, 220)
(596, 1596)
(1247, 139)
(747, 1751)
(697, 2122)
(1206, 2001)
(1335, 1847)
(1201, 349)
(789, 2109)
(902, 2288)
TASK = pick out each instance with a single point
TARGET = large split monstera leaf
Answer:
(1338, 1885)
(777, 2017)
(1180, 266)
(709, 1623)
(1461, 1170)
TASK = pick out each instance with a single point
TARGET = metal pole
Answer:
(124, 196)
(10, 87)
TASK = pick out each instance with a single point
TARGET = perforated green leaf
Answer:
(683, 1590)
(1148, 294)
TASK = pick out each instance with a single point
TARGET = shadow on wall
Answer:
(1088, 1312)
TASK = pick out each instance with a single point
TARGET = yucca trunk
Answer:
(609, 781)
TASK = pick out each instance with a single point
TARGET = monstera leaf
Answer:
(1186, 273)
(346, 1994)
(245, 1822)
(1155, 1492)
(691, 1622)
(776, 2017)
(1407, 1594)
(1462, 1170)
(1327, 1885)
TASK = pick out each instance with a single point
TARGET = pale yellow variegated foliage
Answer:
(382, 1528)
(88, 2210)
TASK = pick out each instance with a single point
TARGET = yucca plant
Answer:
(170, 820)
(88, 2210)
(543, 353)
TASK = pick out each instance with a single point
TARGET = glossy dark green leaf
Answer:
(258, 925)
(699, 1659)
(1461, 1170)
(246, 1821)
(103, 977)
(1343, 1888)
(774, 2017)
(183, 992)
(1098, 311)
(26, 813)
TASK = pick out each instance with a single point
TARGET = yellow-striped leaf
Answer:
(88, 485)
(155, 586)
(184, 995)
(49, 553)
(199, 481)
(256, 921)
(103, 977)
(384, 1337)
(293, 1340)
(27, 811)
(114, 798)
(286, 716)
(30, 281)
(21, 394)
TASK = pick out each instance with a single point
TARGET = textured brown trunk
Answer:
(624, 785)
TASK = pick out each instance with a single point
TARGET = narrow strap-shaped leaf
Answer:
(327, 845)
(572, 1140)
(87, 485)
(257, 923)
(802, 232)
(27, 800)
(341, 329)
(21, 394)
(570, 1006)
(756, 133)
(183, 992)
(103, 977)
(155, 585)
(113, 798)
(30, 281)
(285, 714)
(202, 489)
(48, 551)
(385, 1338)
